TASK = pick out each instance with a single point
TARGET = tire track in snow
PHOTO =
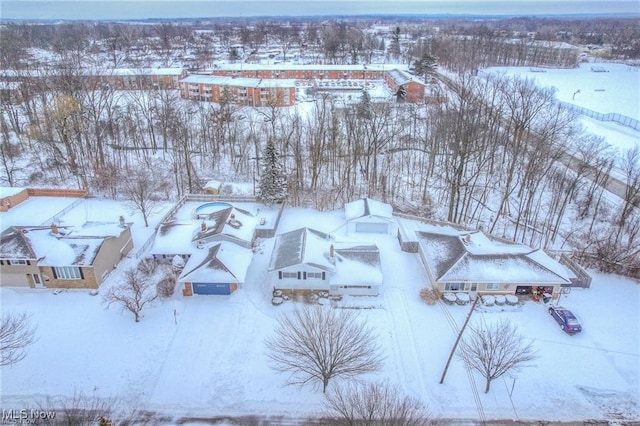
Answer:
(405, 346)
(472, 381)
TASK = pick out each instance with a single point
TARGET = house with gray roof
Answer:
(458, 261)
(219, 269)
(310, 260)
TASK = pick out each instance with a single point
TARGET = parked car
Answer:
(568, 322)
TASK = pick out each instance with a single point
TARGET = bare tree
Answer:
(81, 410)
(495, 349)
(374, 404)
(320, 343)
(140, 191)
(133, 293)
(16, 333)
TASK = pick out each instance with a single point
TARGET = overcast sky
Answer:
(143, 9)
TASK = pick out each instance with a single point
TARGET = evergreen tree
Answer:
(273, 184)
(401, 94)
(364, 109)
(425, 65)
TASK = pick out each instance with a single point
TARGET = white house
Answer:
(458, 261)
(370, 216)
(306, 259)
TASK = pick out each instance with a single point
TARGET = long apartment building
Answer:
(260, 85)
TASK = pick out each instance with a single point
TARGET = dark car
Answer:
(568, 322)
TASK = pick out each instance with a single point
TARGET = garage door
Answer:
(212, 288)
(372, 228)
(14, 280)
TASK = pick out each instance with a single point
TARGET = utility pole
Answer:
(455, 345)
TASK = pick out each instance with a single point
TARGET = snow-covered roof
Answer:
(181, 236)
(541, 258)
(212, 184)
(356, 264)
(367, 207)
(145, 71)
(9, 191)
(401, 77)
(238, 82)
(309, 67)
(304, 245)
(220, 263)
(71, 246)
(462, 256)
(352, 262)
(230, 221)
(174, 237)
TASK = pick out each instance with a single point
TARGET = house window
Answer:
(67, 273)
(18, 262)
(454, 286)
(311, 275)
(492, 286)
(289, 275)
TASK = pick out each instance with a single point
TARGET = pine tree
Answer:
(426, 65)
(273, 184)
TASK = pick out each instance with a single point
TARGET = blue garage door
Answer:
(212, 288)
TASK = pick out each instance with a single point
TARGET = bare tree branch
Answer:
(495, 349)
(372, 404)
(133, 294)
(317, 344)
(16, 333)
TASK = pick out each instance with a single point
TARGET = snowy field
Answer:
(603, 87)
(209, 359)
(613, 88)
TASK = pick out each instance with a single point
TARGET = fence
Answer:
(66, 210)
(583, 278)
(262, 233)
(618, 118)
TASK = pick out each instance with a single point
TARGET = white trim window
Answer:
(317, 275)
(67, 273)
(454, 286)
(493, 286)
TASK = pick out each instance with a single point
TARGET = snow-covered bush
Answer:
(167, 284)
(147, 265)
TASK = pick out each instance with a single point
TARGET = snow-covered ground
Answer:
(204, 355)
(611, 88)
(598, 86)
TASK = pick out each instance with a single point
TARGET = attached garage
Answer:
(14, 280)
(218, 270)
(220, 289)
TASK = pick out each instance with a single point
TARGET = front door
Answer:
(37, 281)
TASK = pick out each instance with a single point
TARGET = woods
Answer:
(493, 152)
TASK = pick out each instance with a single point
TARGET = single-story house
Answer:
(210, 223)
(370, 216)
(310, 260)
(62, 257)
(218, 269)
(458, 261)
